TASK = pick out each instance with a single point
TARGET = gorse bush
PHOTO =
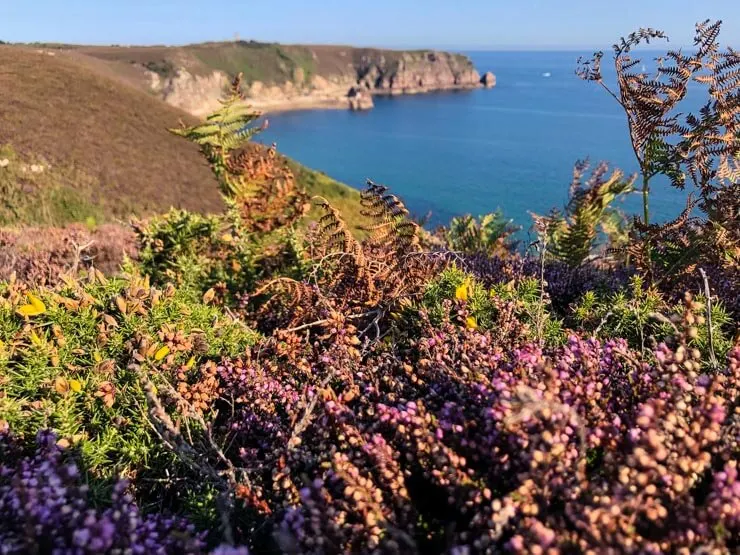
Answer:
(66, 354)
(404, 392)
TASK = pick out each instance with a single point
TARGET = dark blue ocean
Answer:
(512, 147)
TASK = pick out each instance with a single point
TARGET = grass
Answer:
(269, 63)
(34, 193)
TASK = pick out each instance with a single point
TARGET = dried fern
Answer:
(361, 280)
(707, 145)
(253, 180)
(703, 148)
(392, 230)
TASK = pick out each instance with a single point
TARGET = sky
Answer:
(453, 24)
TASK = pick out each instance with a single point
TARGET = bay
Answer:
(451, 153)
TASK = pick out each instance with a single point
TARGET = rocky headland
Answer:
(287, 77)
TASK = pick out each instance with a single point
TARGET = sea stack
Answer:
(488, 80)
(360, 99)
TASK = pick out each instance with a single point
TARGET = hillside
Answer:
(278, 77)
(68, 114)
(103, 143)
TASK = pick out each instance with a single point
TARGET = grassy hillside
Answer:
(270, 63)
(103, 145)
(68, 114)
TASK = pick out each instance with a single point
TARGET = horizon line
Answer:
(449, 48)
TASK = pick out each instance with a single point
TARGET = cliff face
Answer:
(283, 77)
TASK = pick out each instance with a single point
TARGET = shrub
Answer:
(65, 357)
(45, 508)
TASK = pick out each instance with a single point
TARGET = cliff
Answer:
(282, 77)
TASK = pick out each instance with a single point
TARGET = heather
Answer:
(247, 382)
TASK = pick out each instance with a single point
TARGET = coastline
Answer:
(310, 102)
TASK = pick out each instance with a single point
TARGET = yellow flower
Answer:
(161, 353)
(34, 308)
(471, 323)
(190, 363)
(461, 293)
(75, 385)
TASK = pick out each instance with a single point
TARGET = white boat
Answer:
(546, 74)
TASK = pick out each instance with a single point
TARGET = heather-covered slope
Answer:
(68, 114)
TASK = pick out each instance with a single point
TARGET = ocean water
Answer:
(452, 153)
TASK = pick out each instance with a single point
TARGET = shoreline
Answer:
(308, 102)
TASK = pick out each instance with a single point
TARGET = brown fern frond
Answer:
(334, 234)
(266, 192)
(368, 278)
(392, 231)
(290, 303)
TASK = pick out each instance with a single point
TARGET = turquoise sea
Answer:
(512, 147)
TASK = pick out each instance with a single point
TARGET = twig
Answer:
(168, 432)
(603, 321)
(710, 331)
(663, 320)
(327, 320)
(541, 304)
(79, 249)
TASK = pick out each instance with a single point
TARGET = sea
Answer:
(511, 148)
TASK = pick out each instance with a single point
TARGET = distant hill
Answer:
(101, 133)
(278, 76)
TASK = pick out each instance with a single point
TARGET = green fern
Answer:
(490, 233)
(224, 131)
(571, 235)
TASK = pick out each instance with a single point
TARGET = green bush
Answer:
(521, 304)
(67, 364)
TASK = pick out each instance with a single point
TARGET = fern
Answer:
(360, 280)
(490, 234)
(224, 131)
(704, 149)
(256, 183)
(571, 235)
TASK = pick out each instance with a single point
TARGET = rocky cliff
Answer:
(284, 77)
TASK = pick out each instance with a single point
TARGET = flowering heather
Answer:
(404, 396)
(451, 442)
(45, 508)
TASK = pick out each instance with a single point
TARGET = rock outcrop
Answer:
(488, 80)
(360, 99)
(198, 95)
(330, 77)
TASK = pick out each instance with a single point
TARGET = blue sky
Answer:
(463, 24)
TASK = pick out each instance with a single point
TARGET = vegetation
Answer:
(97, 174)
(251, 383)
